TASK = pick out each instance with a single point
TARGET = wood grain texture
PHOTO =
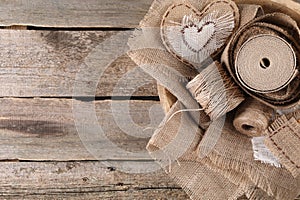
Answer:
(76, 13)
(57, 63)
(82, 180)
(58, 129)
(73, 13)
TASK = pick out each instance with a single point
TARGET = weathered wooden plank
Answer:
(73, 13)
(76, 13)
(161, 194)
(82, 180)
(68, 63)
(67, 129)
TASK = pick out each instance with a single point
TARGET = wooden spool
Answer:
(289, 7)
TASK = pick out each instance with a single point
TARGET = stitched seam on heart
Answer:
(196, 12)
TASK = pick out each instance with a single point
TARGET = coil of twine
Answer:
(252, 118)
(215, 91)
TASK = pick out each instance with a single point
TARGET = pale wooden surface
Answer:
(47, 63)
(73, 13)
(41, 153)
(44, 129)
(82, 180)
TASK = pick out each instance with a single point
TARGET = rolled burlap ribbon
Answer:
(252, 118)
(266, 63)
(263, 59)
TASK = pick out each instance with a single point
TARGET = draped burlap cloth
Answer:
(200, 178)
(284, 140)
(228, 170)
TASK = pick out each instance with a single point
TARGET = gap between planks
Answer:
(76, 13)
(56, 129)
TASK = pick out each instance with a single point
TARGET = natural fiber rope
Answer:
(252, 118)
(215, 91)
(265, 63)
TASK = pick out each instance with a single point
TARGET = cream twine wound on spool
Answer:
(215, 91)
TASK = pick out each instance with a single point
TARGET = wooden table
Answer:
(51, 61)
(64, 76)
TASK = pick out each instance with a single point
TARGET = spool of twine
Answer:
(252, 118)
(215, 91)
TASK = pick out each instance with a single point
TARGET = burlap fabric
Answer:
(228, 170)
(200, 178)
(284, 140)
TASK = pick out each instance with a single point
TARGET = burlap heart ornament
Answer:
(192, 35)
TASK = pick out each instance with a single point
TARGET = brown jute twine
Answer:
(252, 118)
